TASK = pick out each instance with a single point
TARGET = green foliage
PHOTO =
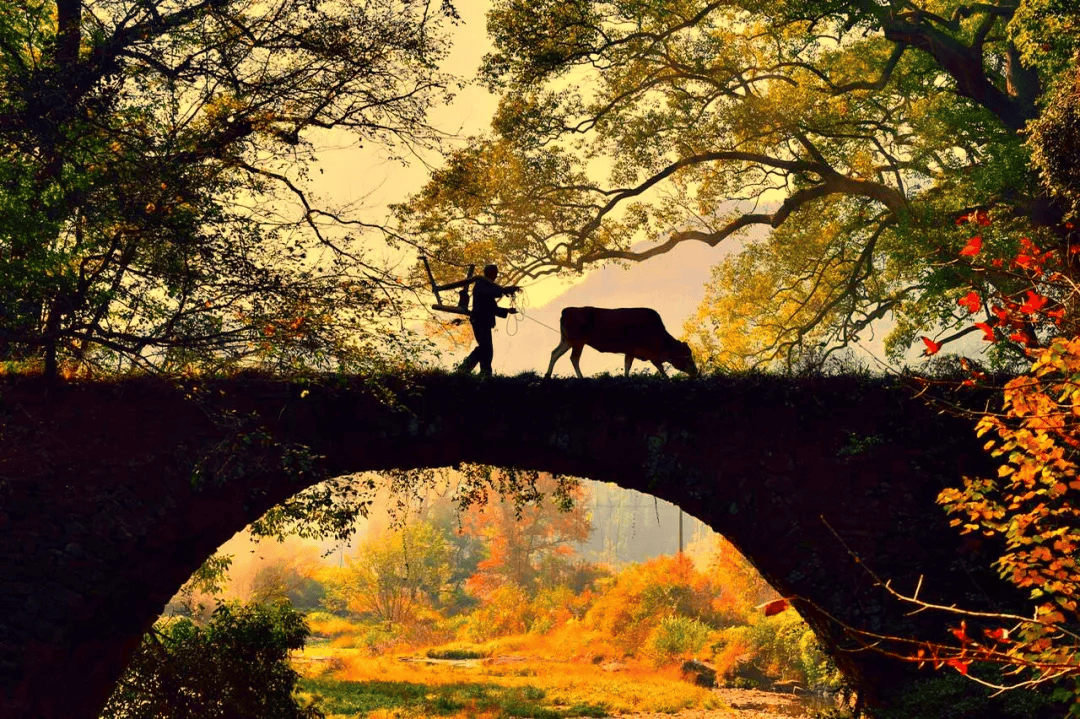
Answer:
(234, 666)
(319, 510)
(329, 509)
(1047, 33)
(676, 636)
(406, 698)
(767, 649)
(1055, 142)
(786, 647)
(156, 209)
(208, 581)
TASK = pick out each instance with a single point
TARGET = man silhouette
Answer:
(485, 308)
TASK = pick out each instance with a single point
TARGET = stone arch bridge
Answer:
(100, 521)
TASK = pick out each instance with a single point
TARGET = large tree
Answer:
(155, 204)
(853, 133)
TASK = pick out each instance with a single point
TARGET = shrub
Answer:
(457, 652)
(234, 666)
(779, 647)
(817, 668)
(379, 638)
(677, 636)
(642, 595)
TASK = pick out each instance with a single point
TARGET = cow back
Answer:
(621, 330)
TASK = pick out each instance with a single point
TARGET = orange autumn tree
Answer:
(528, 544)
(1033, 504)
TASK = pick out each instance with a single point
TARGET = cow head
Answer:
(682, 360)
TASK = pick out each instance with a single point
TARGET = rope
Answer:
(541, 323)
(512, 317)
(521, 311)
(511, 321)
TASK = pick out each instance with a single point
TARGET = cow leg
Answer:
(660, 367)
(626, 365)
(574, 357)
(556, 354)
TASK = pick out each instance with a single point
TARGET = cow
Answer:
(637, 332)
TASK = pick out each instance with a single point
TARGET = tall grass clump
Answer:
(675, 637)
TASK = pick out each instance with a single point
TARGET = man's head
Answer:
(491, 272)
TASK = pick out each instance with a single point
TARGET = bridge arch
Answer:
(100, 520)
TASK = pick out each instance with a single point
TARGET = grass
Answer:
(346, 683)
(460, 699)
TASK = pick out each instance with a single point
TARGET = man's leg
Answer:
(474, 356)
(485, 348)
(469, 362)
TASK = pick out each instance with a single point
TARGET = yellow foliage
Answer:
(1034, 503)
(329, 625)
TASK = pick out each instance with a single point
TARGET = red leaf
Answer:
(970, 301)
(1034, 303)
(932, 347)
(961, 632)
(1025, 261)
(1022, 336)
(988, 331)
(998, 635)
(775, 607)
(972, 247)
(959, 665)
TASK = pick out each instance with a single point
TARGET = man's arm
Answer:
(487, 287)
